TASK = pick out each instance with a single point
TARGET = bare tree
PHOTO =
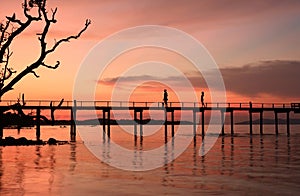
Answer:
(34, 11)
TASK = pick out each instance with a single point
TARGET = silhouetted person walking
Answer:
(202, 99)
(165, 98)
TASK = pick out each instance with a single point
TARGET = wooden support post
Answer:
(222, 121)
(108, 123)
(202, 121)
(276, 123)
(232, 122)
(261, 122)
(194, 122)
(103, 119)
(250, 122)
(135, 124)
(38, 123)
(141, 123)
(250, 117)
(288, 123)
(73, 122)
(1, 125)
(173, 131)
(166, 124)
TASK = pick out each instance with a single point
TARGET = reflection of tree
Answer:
(34, 11)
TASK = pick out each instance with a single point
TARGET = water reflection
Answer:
(73, 159)
(276, 150)
(223, 156)
(52, 166)
(288, 150)
(168, 166)
(38, 157)
(253, 164)
(195, 164)
(19, 177)
(251, 153)
(231, 155)
(261, 152)
(138, 153)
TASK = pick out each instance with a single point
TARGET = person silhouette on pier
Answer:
(165, 99)
(202, 99)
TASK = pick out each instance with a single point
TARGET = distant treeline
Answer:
(12, 120)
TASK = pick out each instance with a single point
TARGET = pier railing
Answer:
(151, 104)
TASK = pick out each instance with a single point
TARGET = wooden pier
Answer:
(139, 107)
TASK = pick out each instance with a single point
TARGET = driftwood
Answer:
(19, 117)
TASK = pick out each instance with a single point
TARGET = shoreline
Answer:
(23, 141)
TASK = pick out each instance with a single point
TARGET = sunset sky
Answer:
(255, 44)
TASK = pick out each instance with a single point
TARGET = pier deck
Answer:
(139, 107)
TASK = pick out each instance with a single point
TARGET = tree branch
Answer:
(28, 6)
(19, 30)
(51, 67)
(14, 19)
(87, 23)
(4, 77)
(11, 37)
(34, 73)
(53, 15)
(42, 15)
(4, 33)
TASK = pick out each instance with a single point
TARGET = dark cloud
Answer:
(278, 78)
(128, 79)
(180, 81)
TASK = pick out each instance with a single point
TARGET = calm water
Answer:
(242, 165)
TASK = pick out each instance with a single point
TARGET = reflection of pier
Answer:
(139, 107)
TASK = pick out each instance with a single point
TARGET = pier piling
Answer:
(166, 124)
(73, 121)
(202, 121)
(231, 122)
(276, 122)
(38, 124)
(1, 125)
(135, 124)
(222, 121)
(250, 118)
(194, 122)
(172, 118)
(261, 122)
(103, 120)
(288, 123)
(141, 123)
(108, 122)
